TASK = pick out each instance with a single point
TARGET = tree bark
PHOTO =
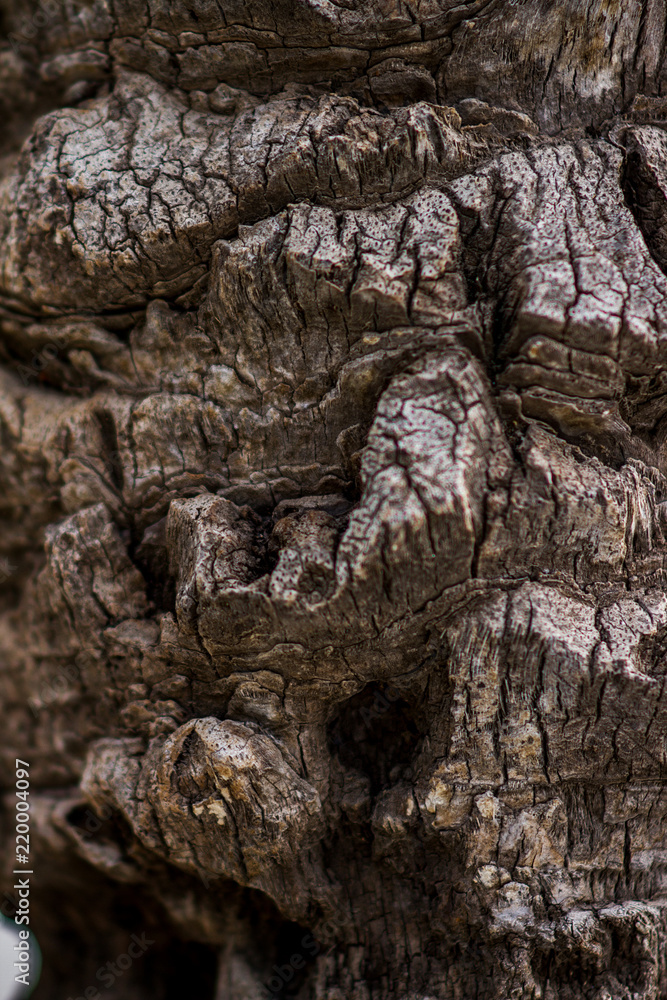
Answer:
(333, 409)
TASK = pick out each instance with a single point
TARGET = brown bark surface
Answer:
(333, 423)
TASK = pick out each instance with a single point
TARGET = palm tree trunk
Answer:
(333, 409)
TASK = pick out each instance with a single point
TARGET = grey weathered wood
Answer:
(333, 402)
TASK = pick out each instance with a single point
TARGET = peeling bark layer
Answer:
(333, 404)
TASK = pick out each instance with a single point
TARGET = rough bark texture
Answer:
(333, 409)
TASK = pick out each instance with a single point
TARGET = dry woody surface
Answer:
(333, 496)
